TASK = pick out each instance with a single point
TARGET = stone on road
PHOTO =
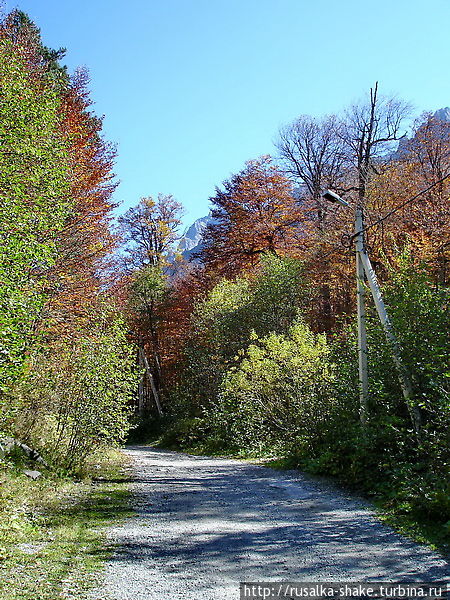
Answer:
(202, 525)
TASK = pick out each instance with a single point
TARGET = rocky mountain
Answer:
(190, 241)
(442, 114)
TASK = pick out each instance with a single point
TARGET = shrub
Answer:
(222, 322)
(82, 402)
(282, 390)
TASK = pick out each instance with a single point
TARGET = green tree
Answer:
(34, 203)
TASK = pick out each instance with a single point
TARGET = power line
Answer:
(347, 239)
(397, 208)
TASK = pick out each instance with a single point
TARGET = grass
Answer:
(417, 528)
(52, 530)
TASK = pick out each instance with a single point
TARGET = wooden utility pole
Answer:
(365, 270)
(363, 378)
(152, 381)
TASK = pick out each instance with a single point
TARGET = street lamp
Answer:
(364, 270)
(332, 197)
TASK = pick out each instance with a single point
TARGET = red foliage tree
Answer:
(256, 212)
(85, 244)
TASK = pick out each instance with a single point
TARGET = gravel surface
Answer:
(202, 525)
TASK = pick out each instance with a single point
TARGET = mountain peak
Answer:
(443, 114)
(191, 240)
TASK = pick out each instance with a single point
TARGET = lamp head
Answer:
(332, 197)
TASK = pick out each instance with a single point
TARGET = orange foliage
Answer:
(256, 212)
(85, 244)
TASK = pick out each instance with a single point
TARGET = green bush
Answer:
(281, 392)
(82, 402)
(222, 322)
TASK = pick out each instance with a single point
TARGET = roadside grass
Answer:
(415, 527)
(52, 530)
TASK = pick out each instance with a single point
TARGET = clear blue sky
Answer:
(191, 89)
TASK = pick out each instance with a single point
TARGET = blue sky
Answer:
(191, 89)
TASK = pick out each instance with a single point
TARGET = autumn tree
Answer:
(86, 241)
(149, 232)
(255, 213)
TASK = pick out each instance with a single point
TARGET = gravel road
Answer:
(202, 525)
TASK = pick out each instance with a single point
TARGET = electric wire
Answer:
(397, 208)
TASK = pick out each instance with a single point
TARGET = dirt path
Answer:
(205, 524)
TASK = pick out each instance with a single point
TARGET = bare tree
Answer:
(313, 154)
(370, 130)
